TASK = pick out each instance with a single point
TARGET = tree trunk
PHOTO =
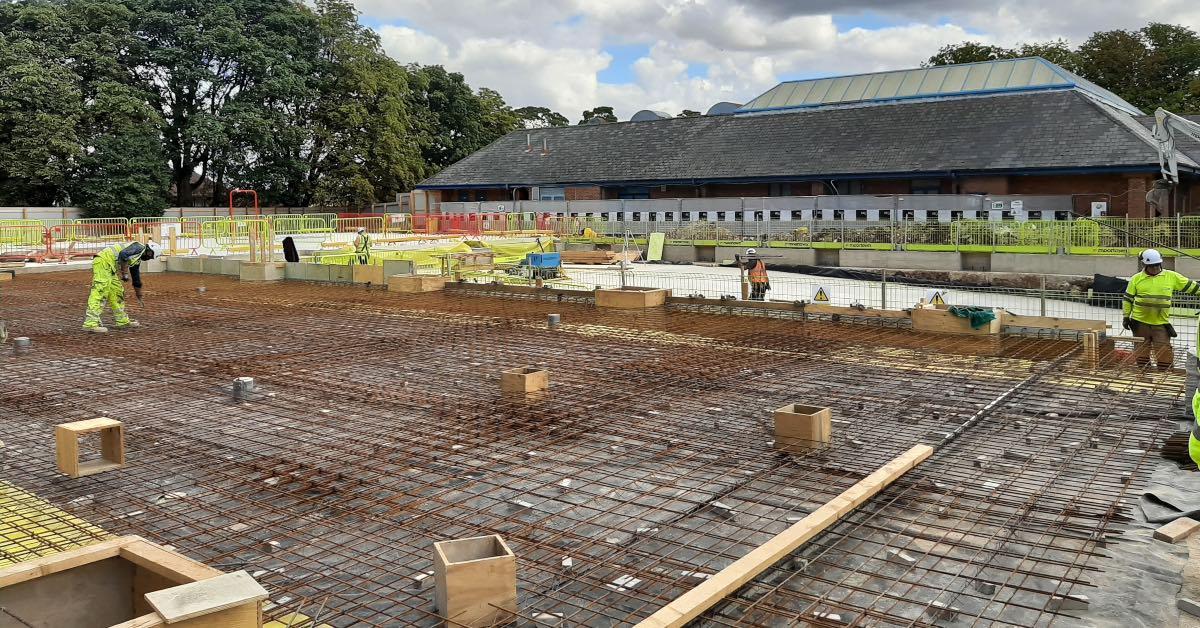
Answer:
(183, 186)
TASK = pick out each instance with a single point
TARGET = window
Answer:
(839, 214)
(637, 216)
(604, 216)
(956, 215)
(670, 216)
(720, 216)
(908, 214)
(481, 195)
(931, 215)
(797, 214)
(552, 194)
(926, 186)
(464, 196)
(860, 214)
(776, 215)
(620, 216)
(758, 216)
(703, 215)
(1035, 214)
(633, 192)
(779, 189)
(653, 216)
(1006, 215)
(885, 214)
(587, 215)
(1062, 215)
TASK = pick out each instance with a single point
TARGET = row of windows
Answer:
(820, 214)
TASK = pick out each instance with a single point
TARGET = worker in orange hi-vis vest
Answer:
(757, 274)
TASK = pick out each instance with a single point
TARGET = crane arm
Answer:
(1166, 126)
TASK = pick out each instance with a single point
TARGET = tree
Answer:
(452, 120)
(198, 56)
(1156, 66)
(967, 52)
(605, 114)
(540, 117)
(688, 113)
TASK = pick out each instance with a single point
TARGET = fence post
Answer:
(1042, 295)
(1127, 235)
(1178, 232)
(883, 289)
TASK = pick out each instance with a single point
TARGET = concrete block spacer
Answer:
(22, 345)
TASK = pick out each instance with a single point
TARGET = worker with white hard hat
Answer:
(362, 247)
(1147, 308)
(756, 272)
(112, 266)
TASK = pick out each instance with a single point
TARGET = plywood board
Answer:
(205, 597)
(691, 604)
(1177, 530)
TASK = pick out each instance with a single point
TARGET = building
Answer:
(1011, 128)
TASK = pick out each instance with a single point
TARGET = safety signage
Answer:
(820, 295)
(935, 297)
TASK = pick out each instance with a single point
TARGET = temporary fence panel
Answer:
(397, 223)
(346, 229)
(22, 242)
(302, 224)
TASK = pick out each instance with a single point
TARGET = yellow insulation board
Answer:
(30, 527)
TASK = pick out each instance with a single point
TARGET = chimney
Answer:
(529, 142)
(545, 146)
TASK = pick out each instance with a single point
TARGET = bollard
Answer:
(22, 345)
(552, 320)
(242, 387)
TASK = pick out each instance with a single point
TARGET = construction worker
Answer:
(588, 233)
(113, 266)
(362, 246)
(1147, 306)
(1194, 437)
(757, 274)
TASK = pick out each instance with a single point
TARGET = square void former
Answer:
(524, 379)
(112, 446)
(476, 580)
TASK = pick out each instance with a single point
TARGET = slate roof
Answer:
(1053, 130)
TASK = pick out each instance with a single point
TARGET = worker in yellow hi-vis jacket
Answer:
(362, 247)
(1147, 308)
(113, 266)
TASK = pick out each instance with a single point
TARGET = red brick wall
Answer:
(588, 193)
(722, 190)
(983, 185)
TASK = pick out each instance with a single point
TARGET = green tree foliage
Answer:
(604, 114)
(1155, 66)
(452, 120)
(109, 104)
(540, 117)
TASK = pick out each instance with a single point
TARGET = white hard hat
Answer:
(155, 248)
(751, 252)
(362, 229)
(1150, 257)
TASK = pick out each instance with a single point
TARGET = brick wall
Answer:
(983, 185)
(1112, 188)
(675, 191)
(585, 193)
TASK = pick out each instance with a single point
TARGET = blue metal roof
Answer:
(946, 81)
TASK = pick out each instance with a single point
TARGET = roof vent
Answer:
(646, 115)
(724, 108)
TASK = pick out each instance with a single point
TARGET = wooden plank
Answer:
(809, 308)
(1177, 530)
(176, 567)
(1050, 322)
(62, 561)
(691, 604)
(205, 597)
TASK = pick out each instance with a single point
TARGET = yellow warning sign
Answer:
(935, 297)
(820, 296)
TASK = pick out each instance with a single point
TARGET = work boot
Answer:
(97, 329)
(129, 325)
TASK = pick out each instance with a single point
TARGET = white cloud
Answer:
(552, 53)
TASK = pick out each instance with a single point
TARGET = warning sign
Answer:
(820, 295)
(935, 297)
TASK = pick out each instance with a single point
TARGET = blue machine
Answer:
(544, 260)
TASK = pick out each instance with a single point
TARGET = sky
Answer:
(671, 55)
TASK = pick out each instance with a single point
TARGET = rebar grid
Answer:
(380, 428)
